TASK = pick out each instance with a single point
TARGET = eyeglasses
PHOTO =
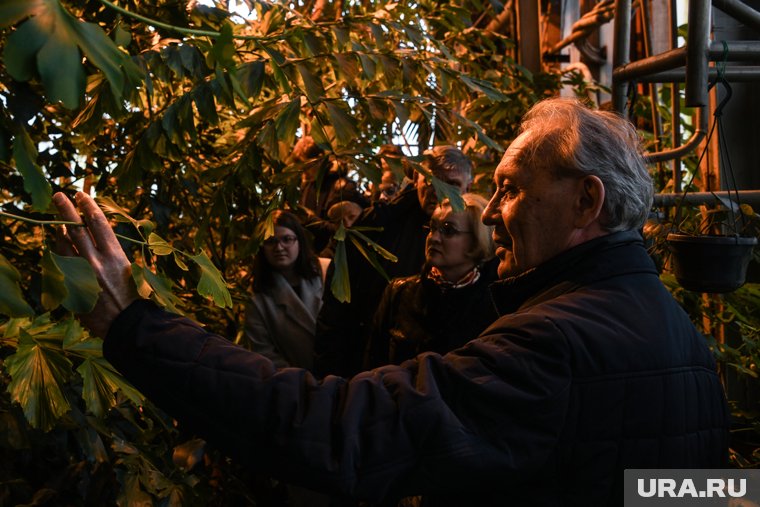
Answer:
(286, 241)
(447, 229)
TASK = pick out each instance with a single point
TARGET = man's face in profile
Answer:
(532, 212)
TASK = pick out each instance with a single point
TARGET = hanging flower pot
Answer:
(710, 263)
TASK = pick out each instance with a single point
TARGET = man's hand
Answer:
(97, 243)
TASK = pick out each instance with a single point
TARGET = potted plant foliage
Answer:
(711, 251)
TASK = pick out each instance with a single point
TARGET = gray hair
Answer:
(567, 138)
(445, 159)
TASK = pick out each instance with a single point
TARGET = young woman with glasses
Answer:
(288, 281)
(448, 303)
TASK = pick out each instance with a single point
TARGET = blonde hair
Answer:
(484, 248)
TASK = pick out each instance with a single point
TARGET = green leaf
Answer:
(75, 339)
(158, 245)
(109, 207)
(445, 191)
(103, 53)
(314, 89)
(68, 281)
(20, 53)
(484, 87)
(211, 284)
(277, 60)
(370, 256)
(161, 288)
(340, 284)
(181, 265)
(38, 375)
(12, 301)
(59, 63)
(375, 246)
(100, 383)
(287, 122)
(203, 96)
(343, 123)
(35, 182)
(13, 11)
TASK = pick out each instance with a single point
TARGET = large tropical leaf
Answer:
(100, 383)
(38, 374)
(50, 42)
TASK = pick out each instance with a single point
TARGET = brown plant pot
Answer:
(715, 264)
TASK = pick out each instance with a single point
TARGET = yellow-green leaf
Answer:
(158, 245)
(161, 288)
(211, 284)
(38, 374)
(100, 383)
(340, 284)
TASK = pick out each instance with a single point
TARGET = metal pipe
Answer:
(746, 196)
(696, 53)
(675, 58)
(740, 11)
(738, 50)
(668, 60)
(700, 131)
(654, 96)
(675, 105)
(732, 74)
(621, 52)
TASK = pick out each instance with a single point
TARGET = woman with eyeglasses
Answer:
(288, 280)
(448, 303)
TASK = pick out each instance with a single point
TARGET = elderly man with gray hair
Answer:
(592, 367)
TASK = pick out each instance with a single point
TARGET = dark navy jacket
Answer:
(593, 369)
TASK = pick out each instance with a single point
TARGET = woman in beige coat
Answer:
(281, 316)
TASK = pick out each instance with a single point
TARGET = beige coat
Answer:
(281, 326)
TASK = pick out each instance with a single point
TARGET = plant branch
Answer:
(38, 222)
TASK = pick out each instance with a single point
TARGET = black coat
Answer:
(594, 369)
(418, 315)
(343, 328)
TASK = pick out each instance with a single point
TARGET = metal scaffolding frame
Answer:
(688, 64)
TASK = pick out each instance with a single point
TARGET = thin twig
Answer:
(38, 222)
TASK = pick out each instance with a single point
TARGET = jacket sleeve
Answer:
(257, 335)
(481, 417)
(378, 342)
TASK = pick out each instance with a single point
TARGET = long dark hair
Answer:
(306, 265)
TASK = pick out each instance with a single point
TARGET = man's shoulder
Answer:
(384, 213)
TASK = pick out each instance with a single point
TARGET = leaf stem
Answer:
(38, 222)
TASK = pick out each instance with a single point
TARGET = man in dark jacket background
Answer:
(343, 329)
(591, 369)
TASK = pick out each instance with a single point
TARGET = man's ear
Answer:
(590, 201)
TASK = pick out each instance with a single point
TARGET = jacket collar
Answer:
(615, 254)
(301, 311)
